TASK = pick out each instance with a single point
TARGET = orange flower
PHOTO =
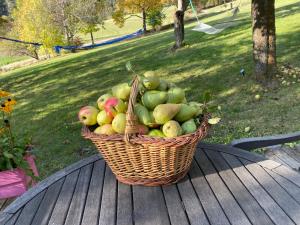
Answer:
(7, 108)
(4, 94)
(10, 102)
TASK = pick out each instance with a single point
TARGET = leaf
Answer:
(8, 155)
(214, 120)
(128, 66)
(247, 129)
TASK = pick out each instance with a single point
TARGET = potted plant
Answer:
(17, 166)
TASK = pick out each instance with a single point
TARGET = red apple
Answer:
(113, 106)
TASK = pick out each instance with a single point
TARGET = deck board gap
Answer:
(212, 191)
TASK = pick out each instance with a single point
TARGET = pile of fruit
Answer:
(161, 108)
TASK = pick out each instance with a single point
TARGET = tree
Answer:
(33, 23)
(179, 23)
(62, 17)
(90, 14)
(264, 40)
(132, 7)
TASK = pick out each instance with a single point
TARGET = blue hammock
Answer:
(108, 42)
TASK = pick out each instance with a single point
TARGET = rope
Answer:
(19, 41)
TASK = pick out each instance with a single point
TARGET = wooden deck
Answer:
(225, 185)
(285, 155)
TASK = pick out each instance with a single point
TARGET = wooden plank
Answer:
(289, 174)
(231, 208)
(14, 218)
(254, 157)
(149, 206)
(270, 155)
(109, 199)
(291, 162)
(2, 202)
(92, 205)
(188, 200)
(43, 214)
(61, 208)
(294, 153)
(77, 204)
(23, 199)
(277, 215)
(6, 203)
(290, 187)
(250, 206)
(210, 204)
(30, 209)
(125, 207)
(286, 202)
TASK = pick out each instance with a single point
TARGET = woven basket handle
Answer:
(131, 119)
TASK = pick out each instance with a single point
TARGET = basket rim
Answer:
(142, 139)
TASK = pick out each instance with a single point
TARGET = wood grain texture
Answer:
(149, 206)
(77, 204)
(29, 210)
(23, 199)
(44, 211)
(63, 202)
(225, 185)
(94, 194)
(229, 205)
(282, 198)
(109, 197)
(211, 206)
(247, 202)
(277, 215)
(125, 205)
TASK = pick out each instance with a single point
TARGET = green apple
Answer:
(104, 118)
(105, 129)
(119, 123)
(88, 115)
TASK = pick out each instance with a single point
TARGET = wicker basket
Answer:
(145, 160)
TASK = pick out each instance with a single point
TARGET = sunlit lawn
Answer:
(51, 93)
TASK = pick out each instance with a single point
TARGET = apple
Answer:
(113, 106)
(104, 118)
(102, 99)
(88, 115)
(105, 129)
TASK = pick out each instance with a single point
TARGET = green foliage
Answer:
(33, 23)
(12, 150)
(155, 18)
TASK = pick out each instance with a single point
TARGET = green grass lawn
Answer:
(4, 60)
(50, 93)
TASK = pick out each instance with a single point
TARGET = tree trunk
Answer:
(264, 40)
(92, 38)
(179, 29)
(144, 20)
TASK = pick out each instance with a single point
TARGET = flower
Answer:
(4, 94)
(10, 101)
(7, 108)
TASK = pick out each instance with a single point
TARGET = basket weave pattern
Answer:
(144, 160)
